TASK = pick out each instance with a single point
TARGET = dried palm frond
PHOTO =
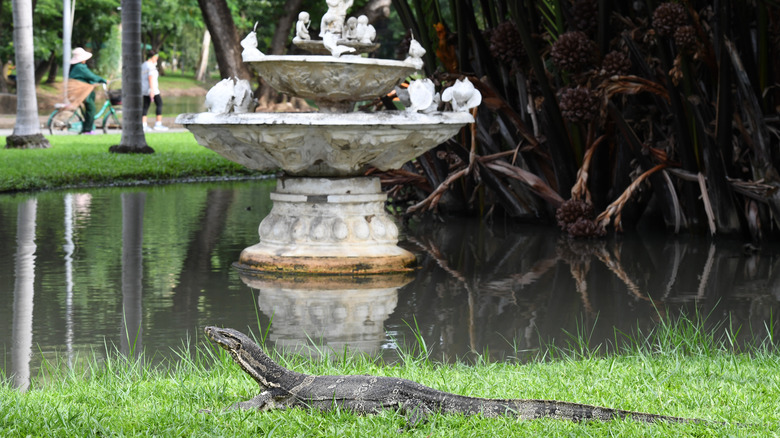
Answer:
(615, 209)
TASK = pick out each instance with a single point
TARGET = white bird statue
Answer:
(421, 95)
(416, 52)
(249, 44)
(462, 95)
(231, 95)
(243, 100)
(220, 97)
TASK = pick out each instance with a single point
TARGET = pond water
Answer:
(184, 104)
(147, 268)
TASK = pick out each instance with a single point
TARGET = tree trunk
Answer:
(3, 65)
(44, 66)
(67, 32)
(200, 74)
(223, 32)
(375, 10)
(53, 69)
(283, 26)
(3, 75)
(133, 140)
(27, 129)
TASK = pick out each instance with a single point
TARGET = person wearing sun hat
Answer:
(80, 72)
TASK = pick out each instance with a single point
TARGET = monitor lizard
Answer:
(367, 394)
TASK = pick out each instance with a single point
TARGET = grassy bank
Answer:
(676, 371)
(85, 160)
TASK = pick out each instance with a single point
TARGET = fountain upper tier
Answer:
(333, 83)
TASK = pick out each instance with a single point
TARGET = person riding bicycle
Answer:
(83, 76)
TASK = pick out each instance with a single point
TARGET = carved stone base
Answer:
(328, 226)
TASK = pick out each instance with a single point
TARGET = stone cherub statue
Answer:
(364, 32)
(333, 21)
(302, 27)
(350, 29)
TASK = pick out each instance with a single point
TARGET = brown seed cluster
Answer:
(505, 43)
(573, 51)
(575, 217)
(578, 104)
(668, 17)
(615, 63)
(685, 38)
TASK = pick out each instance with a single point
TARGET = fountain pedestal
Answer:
(327, 226)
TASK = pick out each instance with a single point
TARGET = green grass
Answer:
(179, 81)
(657, 373)
(85, 161)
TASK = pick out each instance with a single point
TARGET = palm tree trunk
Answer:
(27, 129)
(133, 140)
(200, 74)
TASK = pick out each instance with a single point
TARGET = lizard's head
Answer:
(227, 338)
(247, 354)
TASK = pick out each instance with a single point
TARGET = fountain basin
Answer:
(329, 81)
(322, 144)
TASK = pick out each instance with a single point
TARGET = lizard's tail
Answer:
(532, 409)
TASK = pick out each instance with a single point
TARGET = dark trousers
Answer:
(89, 113)
(157, 104)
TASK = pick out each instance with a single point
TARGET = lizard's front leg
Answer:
(416, 412)
(266, 400)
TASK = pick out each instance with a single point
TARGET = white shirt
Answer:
(149, 71)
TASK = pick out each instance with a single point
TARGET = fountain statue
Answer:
(327, 217)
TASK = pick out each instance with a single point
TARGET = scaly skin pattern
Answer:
(284, 388)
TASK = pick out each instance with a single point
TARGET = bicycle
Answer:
(107, 119)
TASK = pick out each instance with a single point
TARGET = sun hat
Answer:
(79, 55)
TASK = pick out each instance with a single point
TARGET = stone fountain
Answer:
(327, 217)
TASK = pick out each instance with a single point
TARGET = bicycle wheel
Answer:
(50, 121)
(60, 120)
(111, 123)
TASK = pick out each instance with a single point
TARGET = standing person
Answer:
(150, 88)
(80, 72)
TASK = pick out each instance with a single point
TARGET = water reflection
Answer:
(503, 291)
(147, 269)
(318, 316)
(24, 271)
(131, 337)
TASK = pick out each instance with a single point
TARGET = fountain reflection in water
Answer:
(328, 316)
